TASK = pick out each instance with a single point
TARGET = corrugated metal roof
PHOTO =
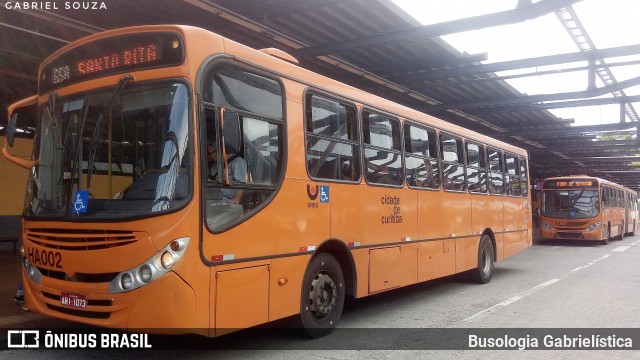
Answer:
(389, 69)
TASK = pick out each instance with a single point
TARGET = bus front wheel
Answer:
(323, 294)
(482, 274)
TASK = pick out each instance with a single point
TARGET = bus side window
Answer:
(253, 107)
(476, 168)
(332, 142)
(421, 157)
(453, 173)
(496, 177)
(382, 151)
(513, 175)
(524, 178)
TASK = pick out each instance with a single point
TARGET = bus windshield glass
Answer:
(570, 204)
(114, 153)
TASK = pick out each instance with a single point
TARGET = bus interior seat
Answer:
(143, 188)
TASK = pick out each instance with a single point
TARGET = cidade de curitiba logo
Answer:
(47, 339)
(55, 5)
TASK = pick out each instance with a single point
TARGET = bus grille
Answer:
(80, 313)
(78, 240)
(78, 277)
(569, 235)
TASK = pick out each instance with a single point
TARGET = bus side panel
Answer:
(285, 284)
(241, 298)
(510, 211)
(482, 213)
(377, 215)
(467, 253)
(384, 268)
(457, 210)
(467, 247)
(487, 213)
(619, 221)
(516, 225)
(436, 259)
(169, 304)
(361, 261)
(433, 222)
(291, 222)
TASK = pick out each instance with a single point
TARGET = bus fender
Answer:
(341, 252)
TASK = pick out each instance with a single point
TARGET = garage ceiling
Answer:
(376, 46)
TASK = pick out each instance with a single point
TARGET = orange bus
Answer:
(587, 208)
(325, 191)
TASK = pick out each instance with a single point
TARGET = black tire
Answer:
(322, 298)
(482, 274)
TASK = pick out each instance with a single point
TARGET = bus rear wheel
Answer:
(323, 294)
(482, 274)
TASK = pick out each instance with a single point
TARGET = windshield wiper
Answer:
(54, 123)
(100, 122)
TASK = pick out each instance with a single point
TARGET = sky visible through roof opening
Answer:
(609, 23)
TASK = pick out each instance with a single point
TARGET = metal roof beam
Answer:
(564, 104)
(614, 149)
(592, 161)
(530, 62)
(574, 130)
(432, 63)
(473, 23)
(578, 33)
(532, 99)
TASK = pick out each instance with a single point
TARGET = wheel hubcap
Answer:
(486, 259)
(323, 295)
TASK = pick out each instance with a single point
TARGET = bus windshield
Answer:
(113, 153)
(570, 204)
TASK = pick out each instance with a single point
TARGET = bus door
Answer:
(245, 225)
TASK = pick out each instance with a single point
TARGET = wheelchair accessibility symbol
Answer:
(80, 201)
(324, 194)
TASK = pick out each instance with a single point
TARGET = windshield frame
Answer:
(189, 156)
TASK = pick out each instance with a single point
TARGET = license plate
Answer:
(73, 300)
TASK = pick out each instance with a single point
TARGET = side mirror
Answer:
(29, 103)
(11, 129)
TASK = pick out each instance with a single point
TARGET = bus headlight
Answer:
(594, 226)
(166, 260)
(34, 274)
(126, 281)
(547, 226)
(154, 268)
(145, 273)
(31, 270)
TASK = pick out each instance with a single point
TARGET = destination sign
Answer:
(111, 56)
(565, 184)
